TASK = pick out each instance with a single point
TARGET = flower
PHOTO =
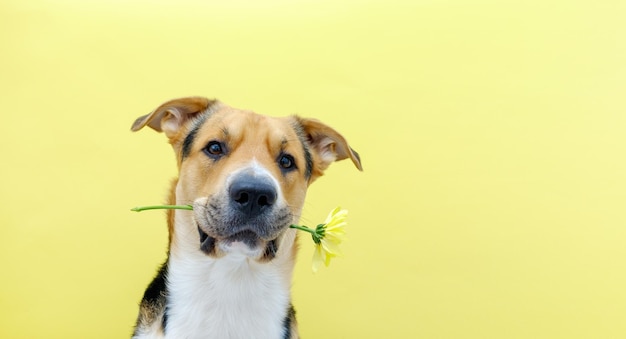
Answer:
(326, 236)
(330, 236)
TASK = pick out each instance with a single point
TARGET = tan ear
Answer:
(170, 116)
(327, 144)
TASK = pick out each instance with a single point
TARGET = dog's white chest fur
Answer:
(230, 297)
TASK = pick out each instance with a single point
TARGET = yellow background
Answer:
(493, 137)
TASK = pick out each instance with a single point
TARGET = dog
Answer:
(230, 259)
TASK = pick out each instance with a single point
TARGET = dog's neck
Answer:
(228, 297)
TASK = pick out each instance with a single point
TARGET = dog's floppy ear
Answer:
(170, 116)
(327, 145)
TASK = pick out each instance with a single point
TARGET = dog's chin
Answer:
(244, 243)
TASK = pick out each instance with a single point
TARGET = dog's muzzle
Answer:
(247, 214)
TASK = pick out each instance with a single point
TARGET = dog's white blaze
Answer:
(259, 170)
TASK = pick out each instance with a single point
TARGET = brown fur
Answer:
(313, 145)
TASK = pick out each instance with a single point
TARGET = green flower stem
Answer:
(303, 228)
(162, 207)
(316, 234)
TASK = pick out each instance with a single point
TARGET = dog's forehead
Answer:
(239, 122)
(240, 126)
(248, 135)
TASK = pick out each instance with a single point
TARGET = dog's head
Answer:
(245, 174)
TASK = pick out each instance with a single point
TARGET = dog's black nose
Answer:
(251, 195)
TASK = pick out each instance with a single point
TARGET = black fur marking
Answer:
(157, 289)
(154, 301)
(188, 142)
(270, 251)
(307, 153)
(190, 138)
(207, 243)
(309, 161)
(203, 236)
(164, 320)
(291, 315)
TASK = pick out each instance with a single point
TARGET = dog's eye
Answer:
(286, 161)
(214, 148)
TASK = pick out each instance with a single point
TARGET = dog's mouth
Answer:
(246, 242)
(225, 230)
